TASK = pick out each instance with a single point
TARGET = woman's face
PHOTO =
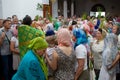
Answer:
(114, 30)
(98, 35)
(40, 51)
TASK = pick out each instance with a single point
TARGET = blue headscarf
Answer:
(80, 35)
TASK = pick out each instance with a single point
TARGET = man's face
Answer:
(7, 24)
(15, 21)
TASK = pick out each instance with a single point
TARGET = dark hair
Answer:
(74, 22)
(13, 16)
(100, 30)
(27, 20)
(6, 20)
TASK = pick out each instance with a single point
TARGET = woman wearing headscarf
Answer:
(108, 56)
(97, 49)
(80, 39)
(32, 66)
(63, 61)
(116, 30)
(26, 33)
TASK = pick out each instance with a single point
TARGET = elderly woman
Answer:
(80, 38)
(32, 66)
(97, 49)
(110, 51)
(63, 61)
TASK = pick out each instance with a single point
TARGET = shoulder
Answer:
(81, 51)
(55, 53)
(29, 56)
(29, 59)
(13, 38)
(81, 47)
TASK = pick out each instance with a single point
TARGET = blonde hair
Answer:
(51, 40)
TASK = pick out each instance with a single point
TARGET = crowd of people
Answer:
(60, 49)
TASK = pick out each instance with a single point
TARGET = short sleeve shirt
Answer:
(81, 53)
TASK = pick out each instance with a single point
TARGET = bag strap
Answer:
(6, 36)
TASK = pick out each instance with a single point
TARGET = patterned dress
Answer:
(65, 66)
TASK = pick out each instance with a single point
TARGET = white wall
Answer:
(55, 9)
(0, 9)
(20, 8)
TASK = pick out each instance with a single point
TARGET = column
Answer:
(72, 7)
(1, 14)
(55, 9)
(65, 8)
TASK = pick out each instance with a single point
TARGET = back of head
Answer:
(51, 38)
(27, 20)
(80, 35)
(64, 37)
(50, 33)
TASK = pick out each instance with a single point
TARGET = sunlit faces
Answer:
(40, 51)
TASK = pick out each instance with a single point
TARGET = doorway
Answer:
(97, 9)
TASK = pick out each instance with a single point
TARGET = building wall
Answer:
(0, 9)
(112, 6)
(28, 7)
(55, 9)
(19, 8)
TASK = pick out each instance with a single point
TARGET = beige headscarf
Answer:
(63, 37)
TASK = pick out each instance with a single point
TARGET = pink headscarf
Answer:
(15, 31)
(63, 37)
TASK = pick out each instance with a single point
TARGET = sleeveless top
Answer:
(65, 66)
